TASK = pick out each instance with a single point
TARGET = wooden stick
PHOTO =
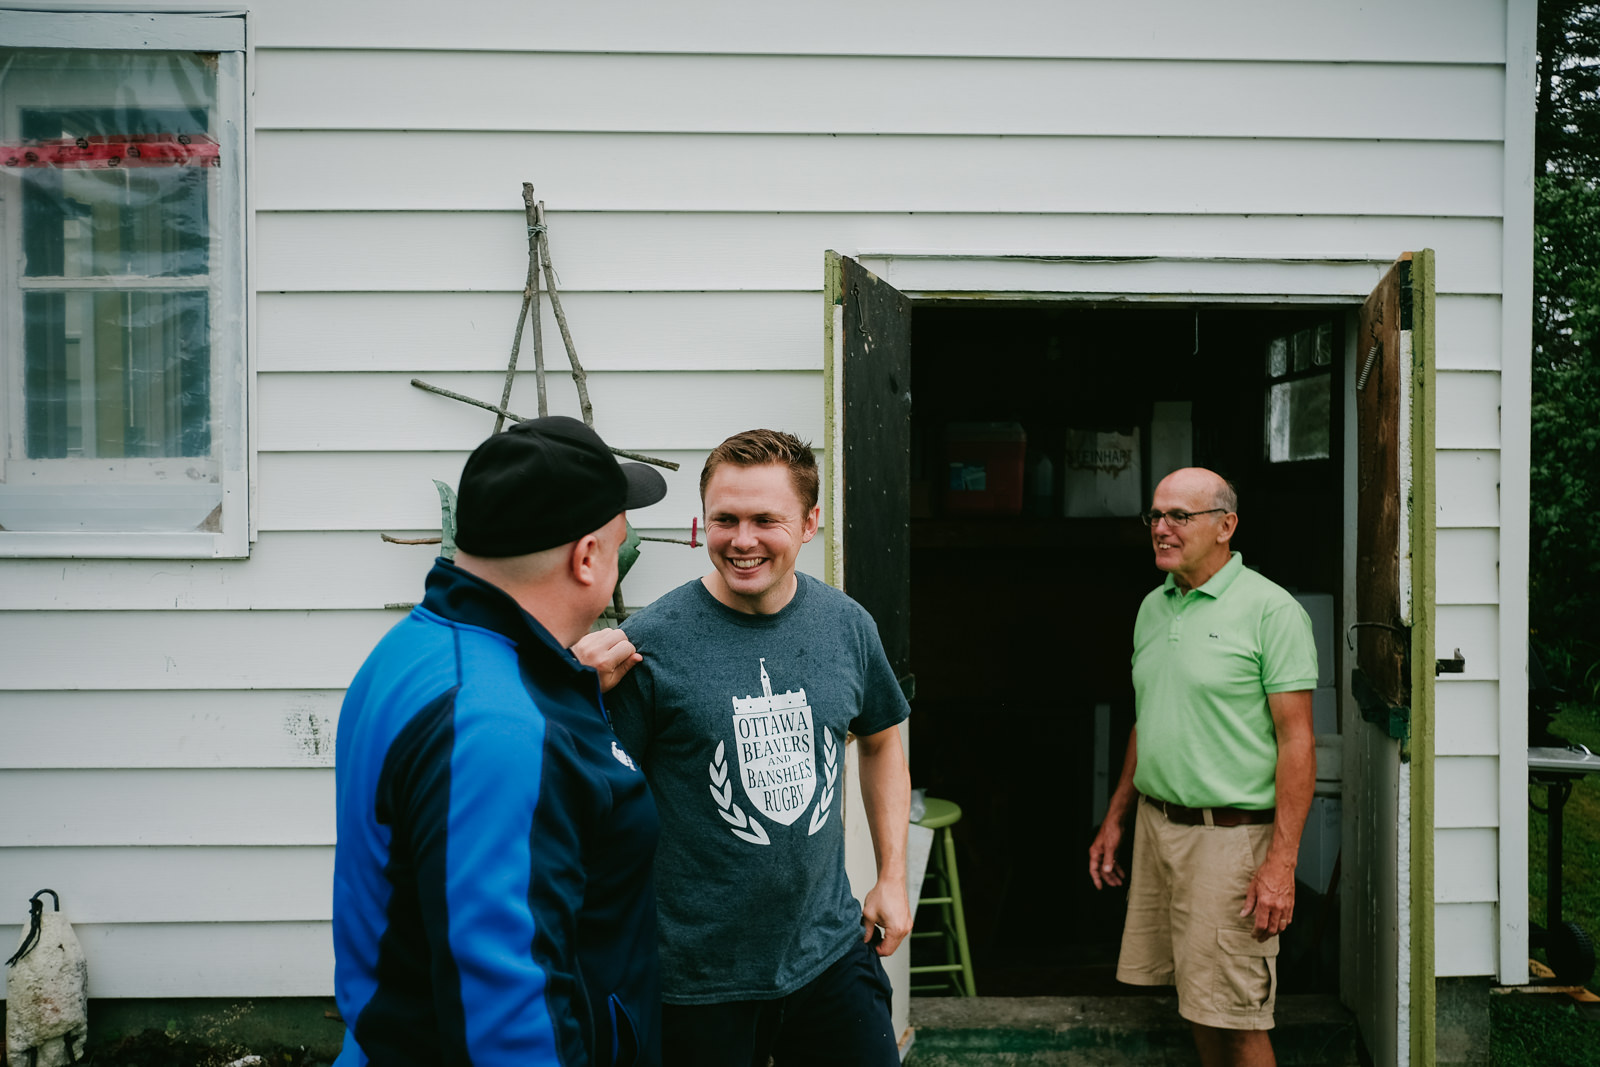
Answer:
(621, 612)
(654, 461)
(530, 293)
(579, 377)
(411, 540)
(536, 217)
(670, 541)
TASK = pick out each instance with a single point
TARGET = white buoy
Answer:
(47, 991)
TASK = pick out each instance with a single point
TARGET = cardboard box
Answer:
(985, 464)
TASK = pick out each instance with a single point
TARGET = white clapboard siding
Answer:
(434, 251)
(1467, 792)
(241, 806)
(633, 331)
(456, 331)
(198, 959)
(1464, 939)
(1464, 865)
(1466, 718)
(394, 491)
(399, 171)
(1467, 332)
(185, 649)
(1465, 566)
(1475, 629)
(169, 728)
(346, 412)
(1470, 404)
(285, 571)
(161, 884)
(301, 90)
(1468, 486)
(299, 569)
(1438, 31)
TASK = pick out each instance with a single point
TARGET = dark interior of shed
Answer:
(1022, 610)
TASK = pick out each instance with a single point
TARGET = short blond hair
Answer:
(757, 448)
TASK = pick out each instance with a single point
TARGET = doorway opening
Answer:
(1037, 435)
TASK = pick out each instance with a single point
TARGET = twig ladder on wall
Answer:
(538, 263)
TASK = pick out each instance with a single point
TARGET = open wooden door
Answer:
(1387, 861)
(867, 512)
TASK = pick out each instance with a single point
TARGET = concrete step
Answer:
(1127, 1031)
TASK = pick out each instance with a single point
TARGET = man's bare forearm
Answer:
(1296, 778)
(886, 798)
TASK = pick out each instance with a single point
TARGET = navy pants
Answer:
(840, 1017)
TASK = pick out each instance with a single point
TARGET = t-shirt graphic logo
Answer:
(777, 754)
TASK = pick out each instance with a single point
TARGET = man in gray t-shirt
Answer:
(737, 703)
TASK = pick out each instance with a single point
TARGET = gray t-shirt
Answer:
(739, 721)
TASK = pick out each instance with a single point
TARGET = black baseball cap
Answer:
(542, 483)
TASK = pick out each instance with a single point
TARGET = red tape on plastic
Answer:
(114, 153)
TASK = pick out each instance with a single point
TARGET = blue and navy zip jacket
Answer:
(492, 892)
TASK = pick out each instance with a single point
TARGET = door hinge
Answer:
(1376, 709)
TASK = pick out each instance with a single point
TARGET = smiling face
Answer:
(755, 525)
(1191, 553)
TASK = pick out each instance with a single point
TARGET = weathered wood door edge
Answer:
(1424, 542)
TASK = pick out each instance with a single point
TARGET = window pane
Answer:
(1298, 419)
(122, 397)
(1278, 357)
(98, 223)
(1324, 350)
(1301, 345)
(117, 374)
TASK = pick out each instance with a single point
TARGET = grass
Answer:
(1581, 886)
(1549, 1030)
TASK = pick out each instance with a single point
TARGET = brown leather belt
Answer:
(1219, 816)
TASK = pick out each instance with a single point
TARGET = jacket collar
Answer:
(453, 594)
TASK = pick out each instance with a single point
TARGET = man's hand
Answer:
(1271, 897)
(610, 653)
(886, 907)
(1104, 869)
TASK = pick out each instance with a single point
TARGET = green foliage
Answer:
(628, 554)
(1539, 1031)
(1567, 122)
(1565, 473)
(447, 519)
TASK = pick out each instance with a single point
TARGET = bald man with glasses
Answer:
(1219, 774)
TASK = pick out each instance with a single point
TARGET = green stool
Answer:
(945, 881)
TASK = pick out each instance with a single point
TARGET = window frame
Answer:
(223, 35)
(1315, 370)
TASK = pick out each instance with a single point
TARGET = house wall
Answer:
(167, 724)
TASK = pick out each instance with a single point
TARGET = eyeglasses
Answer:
(1174, 517)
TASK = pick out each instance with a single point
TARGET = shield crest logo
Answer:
(777, 751)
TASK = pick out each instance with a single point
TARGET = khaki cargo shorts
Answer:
(1184, 929)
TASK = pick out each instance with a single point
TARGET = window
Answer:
(1299, 394)
(122, 311)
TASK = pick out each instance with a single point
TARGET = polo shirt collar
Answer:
(1216, 585)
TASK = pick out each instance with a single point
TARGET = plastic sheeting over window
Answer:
(120, 339)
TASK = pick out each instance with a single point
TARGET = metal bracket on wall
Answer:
(1376, 709)
(1456, 664)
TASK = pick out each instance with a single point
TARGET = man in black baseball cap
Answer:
(492, 891)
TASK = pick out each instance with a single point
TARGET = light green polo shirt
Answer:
(1203, 664)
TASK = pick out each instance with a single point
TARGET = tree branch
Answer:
(655, 461)
(579, 377)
